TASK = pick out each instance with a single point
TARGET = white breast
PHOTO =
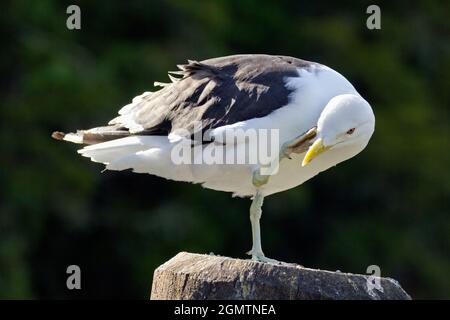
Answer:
(312, 91)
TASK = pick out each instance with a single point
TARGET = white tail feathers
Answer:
(142, 154)
(71, 137)
(107, 152)
(74, 137)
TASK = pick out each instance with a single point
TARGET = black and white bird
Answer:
(319, 117)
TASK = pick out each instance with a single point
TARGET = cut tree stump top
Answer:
(189, 276)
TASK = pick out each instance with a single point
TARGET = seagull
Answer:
(317, 117)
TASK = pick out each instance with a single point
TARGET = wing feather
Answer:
(218, 92)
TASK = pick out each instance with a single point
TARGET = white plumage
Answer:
(152, 154)
(319, 98)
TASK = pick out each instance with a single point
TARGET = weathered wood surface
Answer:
(195, 276)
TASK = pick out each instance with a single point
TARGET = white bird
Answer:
(319, 118)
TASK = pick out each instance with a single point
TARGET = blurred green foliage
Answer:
(388, 206)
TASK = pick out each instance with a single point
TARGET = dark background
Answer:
(388, 206)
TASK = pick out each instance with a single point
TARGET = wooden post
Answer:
(195, 276)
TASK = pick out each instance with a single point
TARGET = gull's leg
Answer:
(258, 179)
(255, 215)
(299, 144)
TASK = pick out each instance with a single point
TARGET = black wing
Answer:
(217, 92)
(212, 92)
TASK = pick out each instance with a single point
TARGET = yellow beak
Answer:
(313, 151)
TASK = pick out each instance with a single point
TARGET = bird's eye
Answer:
(351, 131)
